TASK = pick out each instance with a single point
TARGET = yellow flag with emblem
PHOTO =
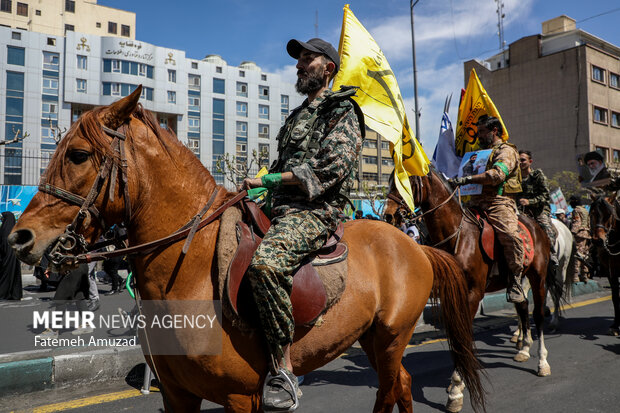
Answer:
(475, 103)
(363, 64)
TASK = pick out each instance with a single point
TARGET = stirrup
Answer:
(283, 375)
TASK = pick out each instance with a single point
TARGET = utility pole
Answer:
(415, 76)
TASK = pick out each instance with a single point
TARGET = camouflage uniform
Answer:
(500, 206)
(319, 144)
(536, 191)
(580, 227)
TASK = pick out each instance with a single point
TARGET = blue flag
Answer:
(444, 158)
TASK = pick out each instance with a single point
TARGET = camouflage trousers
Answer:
(502, 215)
(289, 240)
(581, 271)
(544, 220)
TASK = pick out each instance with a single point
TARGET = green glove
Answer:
(271, 180)
(255, 193)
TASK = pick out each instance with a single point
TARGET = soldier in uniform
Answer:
(580, 227)
(500, 181)
(317, 152)
(535, 199)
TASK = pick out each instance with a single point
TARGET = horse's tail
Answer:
(555, 286)
(450, 287)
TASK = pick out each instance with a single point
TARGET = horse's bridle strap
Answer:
(70, 198)
(149, 247)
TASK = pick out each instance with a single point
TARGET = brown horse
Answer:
(167, 185)
(456, 231)
(605, 228)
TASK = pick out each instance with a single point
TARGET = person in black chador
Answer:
(10, 269)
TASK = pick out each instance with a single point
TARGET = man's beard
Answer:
(311, 83)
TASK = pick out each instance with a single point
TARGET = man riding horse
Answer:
(500, 181)
(318, 147)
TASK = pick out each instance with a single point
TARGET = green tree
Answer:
(568, 182)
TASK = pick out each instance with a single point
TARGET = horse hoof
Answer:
(455, 405)
(514, 339)
(544, 371)
(521, 357)
(519, 345)
(614, 331)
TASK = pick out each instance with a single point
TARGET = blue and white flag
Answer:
(444, 158)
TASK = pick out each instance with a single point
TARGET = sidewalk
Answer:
(33, 370)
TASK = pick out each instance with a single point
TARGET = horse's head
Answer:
(603, 217)
(82, 190)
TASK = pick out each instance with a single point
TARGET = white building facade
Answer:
(214, 108)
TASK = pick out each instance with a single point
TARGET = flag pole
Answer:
(415, 76)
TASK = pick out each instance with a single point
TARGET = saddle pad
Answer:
(492, 249)
(330, 280)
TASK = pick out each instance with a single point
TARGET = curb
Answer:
(20, 374)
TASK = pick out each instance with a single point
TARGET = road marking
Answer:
(87, 401)
(584, 303)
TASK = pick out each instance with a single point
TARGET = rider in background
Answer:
(580, 227)
(500, 182)
(317, 151)
(534, 201)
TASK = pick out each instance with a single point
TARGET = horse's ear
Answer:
(119, 112)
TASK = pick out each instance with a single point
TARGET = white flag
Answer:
(444, 158)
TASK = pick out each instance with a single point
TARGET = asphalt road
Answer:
(585, 366)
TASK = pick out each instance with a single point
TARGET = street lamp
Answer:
(415, 75)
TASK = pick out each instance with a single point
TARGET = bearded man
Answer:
(317, 151)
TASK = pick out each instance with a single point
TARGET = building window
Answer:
(263, 92)
(600, 115)
(51, 61)
(70, 6)
(22, 9)
(370, 144)
(263, 77)
(263, 131)
(615, 119)
(125, 30)
(370, 160)
(603, 152)
(194, 82)
(242, 73)
(219, 85)
(387, 162)
(69, 28)
(194, 65)
(16, 55)
(116, 89)
(49, 110)
(242, 89)
(369, 176)
(116, 66)
(81, 85)
(284, 107)
(51, 41)
(82, 62)
(6, 6)
(37, 12)
(242, 109)
(263, 112)
(194, 145)
(614, 80)
(16, 36)
(141, 69)
(98, 25)
(172, 96)
(112, 27)
(50, 86)
(616, 156)
(598, 74)
(263, 154)
(193, 103)
(218, 69)
(242, 130)
(172, 76)
(193, 124)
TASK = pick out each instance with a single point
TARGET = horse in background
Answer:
(457, 231)
(605, 229)
(153, 183)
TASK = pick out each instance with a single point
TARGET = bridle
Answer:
(71, 247)
(71, 241)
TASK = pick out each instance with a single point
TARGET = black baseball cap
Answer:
(294, 48)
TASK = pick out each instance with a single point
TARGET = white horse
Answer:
(564, 247)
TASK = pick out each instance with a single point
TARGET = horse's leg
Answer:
(614, 284)
(177, 399)
(539, 294)
(241, 403)
(523, 345)
(455, 393)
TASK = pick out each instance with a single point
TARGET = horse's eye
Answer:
(78, 157)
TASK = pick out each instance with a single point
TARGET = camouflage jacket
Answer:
(502, 166)
(580, 225)
(336, 141)
(536, 191)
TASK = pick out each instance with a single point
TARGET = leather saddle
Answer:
(491, 246)
(309, 297)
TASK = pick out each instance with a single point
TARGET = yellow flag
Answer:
(363, 64)
(475, 103)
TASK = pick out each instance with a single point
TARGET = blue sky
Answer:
(447, 33)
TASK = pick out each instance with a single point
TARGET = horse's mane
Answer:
(88, 126)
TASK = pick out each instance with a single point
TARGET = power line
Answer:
(599, 15)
